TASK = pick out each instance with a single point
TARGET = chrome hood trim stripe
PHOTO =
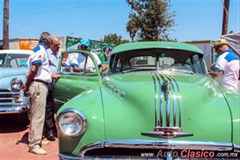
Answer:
(176, 97)
(161, 80)
(59, 101)
(156, 99)
(166, 97)
(160, 144)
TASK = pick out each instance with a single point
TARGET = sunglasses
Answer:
(84, 47)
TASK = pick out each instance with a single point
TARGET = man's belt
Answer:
(38, 80)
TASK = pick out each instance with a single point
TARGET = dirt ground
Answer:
(14, 140)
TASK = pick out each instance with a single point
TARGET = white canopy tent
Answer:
(233, 41)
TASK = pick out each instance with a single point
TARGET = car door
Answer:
(73, 83)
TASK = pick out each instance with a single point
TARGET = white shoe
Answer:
(44, 142)
(37, 150)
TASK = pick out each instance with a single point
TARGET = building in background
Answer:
(66, 42)
(29, 43)
(210, 55)
(21, 43)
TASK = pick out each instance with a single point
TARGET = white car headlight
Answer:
(16, 83)
(72, 122)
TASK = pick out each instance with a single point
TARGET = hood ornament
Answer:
(166, 89)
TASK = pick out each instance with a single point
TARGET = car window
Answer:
(198, 64)
(116, 64)
(14, 60)
(2, 59)
(142, 61)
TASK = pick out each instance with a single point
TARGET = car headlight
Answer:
(16, 83)
(72, 122)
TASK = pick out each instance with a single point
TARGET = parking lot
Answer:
(14, 140)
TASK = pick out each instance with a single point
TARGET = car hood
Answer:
(175, 102)
(139, 83)
(8, 72)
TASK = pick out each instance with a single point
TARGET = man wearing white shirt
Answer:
(53, 55)
(227, 65)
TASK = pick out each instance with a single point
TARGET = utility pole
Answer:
(225, 16)
(6, 25)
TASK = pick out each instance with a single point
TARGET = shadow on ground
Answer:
(24, 139)
(11, 123)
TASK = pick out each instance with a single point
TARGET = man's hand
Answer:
(55, 76)
(88, 69)
(25, 88)
(216, 73)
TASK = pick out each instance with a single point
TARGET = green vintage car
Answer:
(155, 100)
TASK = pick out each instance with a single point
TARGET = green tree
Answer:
(150, 20)
(114, 38)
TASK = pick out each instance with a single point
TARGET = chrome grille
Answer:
(5, 96)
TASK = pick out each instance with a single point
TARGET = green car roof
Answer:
(156, 44)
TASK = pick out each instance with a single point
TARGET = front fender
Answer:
(90, 103)
(233, 100)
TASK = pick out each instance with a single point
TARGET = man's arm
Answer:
(216, 70)
(31, 76)
(100, 69)
(216, 73)
(77, 69)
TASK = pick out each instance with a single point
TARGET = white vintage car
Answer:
(13, 66)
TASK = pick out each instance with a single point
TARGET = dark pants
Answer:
(49, 124)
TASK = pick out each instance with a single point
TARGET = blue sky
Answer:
(195, 19)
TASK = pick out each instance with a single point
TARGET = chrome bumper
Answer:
(14, 108)
(13, 102)
(153, 144)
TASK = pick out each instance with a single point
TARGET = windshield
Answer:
(145, 60)
(13, 60)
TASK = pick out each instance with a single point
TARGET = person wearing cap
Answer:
(227, 65)
(78, 61)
